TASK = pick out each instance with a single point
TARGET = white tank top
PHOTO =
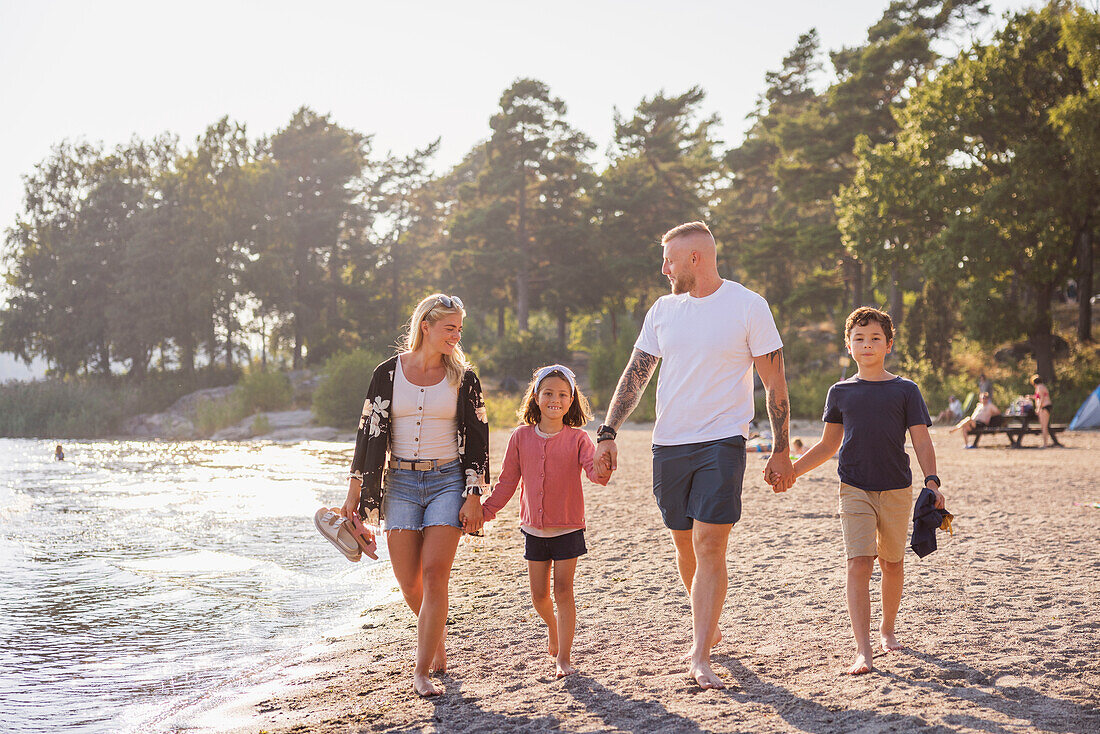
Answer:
(424, 420)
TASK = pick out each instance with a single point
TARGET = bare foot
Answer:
(717, 639)
(565, 668)
(862, 664)
(425, 686)
(889, 642)
(439, 662)
(552, 643)
(704, 676)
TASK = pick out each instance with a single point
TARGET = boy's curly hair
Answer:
(577, 416)
(865, 315)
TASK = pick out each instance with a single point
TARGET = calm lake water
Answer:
(146, 583)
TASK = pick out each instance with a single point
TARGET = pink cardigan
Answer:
(550, 471)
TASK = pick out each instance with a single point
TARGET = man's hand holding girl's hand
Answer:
(603, 467)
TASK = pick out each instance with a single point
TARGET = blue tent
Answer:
(1088, 415)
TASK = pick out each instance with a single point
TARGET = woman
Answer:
(1043, 405)
(985, 415)
(424, 407)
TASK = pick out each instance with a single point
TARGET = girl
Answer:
(546, 455)
(424, 408)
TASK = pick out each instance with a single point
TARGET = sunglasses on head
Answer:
(449, 302)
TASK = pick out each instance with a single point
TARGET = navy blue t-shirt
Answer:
(876, 416)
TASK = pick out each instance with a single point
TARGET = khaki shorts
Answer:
(875, 523)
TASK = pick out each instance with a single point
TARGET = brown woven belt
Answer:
(425, 465)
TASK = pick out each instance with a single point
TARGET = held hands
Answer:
(471, 515)
(779, 472)
(606, 459)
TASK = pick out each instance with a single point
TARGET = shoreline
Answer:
(1000, 622)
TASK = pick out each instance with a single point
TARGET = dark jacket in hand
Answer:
(926, 518)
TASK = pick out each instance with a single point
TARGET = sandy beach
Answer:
(1001, 624)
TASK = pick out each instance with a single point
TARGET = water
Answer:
(144, 583)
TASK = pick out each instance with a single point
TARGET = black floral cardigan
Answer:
(372, 440)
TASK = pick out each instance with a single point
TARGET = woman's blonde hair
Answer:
(432, 309)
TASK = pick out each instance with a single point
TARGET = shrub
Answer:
(517, 357)
(264, 391)
(261, 424)
(501, 409)
(807, 393)
(211, 416)
(94, 407)
(338, 399)
(606, 365)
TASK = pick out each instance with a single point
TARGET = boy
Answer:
(866, 417)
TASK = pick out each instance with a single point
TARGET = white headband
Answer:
(546, 371)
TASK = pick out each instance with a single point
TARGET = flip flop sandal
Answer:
(336, 530)
(367, 541)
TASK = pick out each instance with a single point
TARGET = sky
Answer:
(405, 72)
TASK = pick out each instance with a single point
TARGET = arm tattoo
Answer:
(779, 406)
(779, 411)
(630, 388)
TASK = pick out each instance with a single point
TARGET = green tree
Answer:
(314, 217)
(51, 280)
(211, 217)
(752, 214)
(994, 186)
(1075, 118)
(663, 171)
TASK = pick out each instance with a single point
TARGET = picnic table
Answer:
(1016, 427)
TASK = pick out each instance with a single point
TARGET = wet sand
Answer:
(1001, 624)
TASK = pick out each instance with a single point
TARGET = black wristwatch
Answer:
(605, 433)
(934, 478)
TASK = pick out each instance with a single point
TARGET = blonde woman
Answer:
(421, 463)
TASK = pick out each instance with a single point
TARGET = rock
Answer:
(159, 425)
(304, 433)
(188, 404)
(288, 419)
(278, 426)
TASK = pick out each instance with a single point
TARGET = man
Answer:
(710, 332)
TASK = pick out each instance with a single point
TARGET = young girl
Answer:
(546, 455)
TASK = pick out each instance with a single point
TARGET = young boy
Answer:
(866, 417)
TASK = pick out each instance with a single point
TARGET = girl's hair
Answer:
(432, 309)
(578, 414)
(1036, 380)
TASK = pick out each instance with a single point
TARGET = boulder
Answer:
(159, 425)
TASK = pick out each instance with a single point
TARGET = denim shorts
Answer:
(414, 500)
(699, 481)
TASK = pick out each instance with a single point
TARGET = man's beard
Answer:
(682, 284)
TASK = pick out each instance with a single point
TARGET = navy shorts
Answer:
(699, 481)
(559, 548)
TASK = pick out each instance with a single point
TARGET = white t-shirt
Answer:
(704, 390)
(424, 420)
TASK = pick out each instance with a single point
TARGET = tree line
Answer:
(961, 190)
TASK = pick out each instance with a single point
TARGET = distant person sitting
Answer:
(953, 413)
(59, 453)
(797, 449)
(986, 415)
